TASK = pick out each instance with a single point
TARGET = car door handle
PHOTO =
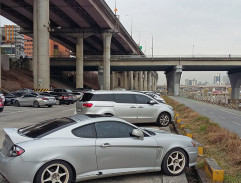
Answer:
(140, 107)
(133, 107)
(105, 145)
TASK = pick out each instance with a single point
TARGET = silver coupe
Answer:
(83, 147)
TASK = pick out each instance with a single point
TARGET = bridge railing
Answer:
(216, 99)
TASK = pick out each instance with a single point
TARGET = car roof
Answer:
(90, 118)
(113, 92)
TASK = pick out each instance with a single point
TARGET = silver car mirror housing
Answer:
(138, 133)
(152, 102)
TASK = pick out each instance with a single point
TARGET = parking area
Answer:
(23, 116)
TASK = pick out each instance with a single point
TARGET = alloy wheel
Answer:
(55, 173)
(164, 120)
(176, 162)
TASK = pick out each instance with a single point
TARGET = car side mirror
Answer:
(152, 102)
(137, 133)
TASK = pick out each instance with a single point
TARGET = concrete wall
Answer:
(5, 62)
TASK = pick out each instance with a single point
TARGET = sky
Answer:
(182, 28)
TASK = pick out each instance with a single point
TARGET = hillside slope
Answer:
(16, 79)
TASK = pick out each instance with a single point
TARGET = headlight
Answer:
(194, 143)
(170, 107)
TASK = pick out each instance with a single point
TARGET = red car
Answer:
(1, 104)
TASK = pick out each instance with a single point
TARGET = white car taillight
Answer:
(16, 151)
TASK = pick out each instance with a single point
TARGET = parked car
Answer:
(85, 147)
(1, 102)
(2, 96)
(61, 90)
(61, 98)
(131, 106)
(35, 100)
(10, 97)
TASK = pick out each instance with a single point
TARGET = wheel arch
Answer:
(71, 166)
(187, 155)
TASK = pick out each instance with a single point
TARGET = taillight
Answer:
(87, 105)
(45, 99)
(16, 151)
(65, 97)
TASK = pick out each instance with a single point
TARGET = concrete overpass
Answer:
(83, 26)
(173, 67)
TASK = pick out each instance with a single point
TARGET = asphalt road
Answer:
(16, 117)
(225, 117)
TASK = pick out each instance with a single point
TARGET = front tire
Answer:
(16, 103)
(163, 119)
(55, 171)
(36, 104)
(175, 162)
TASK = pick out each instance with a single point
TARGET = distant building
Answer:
(12, 43)
(225, 80)
(217, 79)
(191, 82)
(16, 45)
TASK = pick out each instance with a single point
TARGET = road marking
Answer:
(211, 112)
(236, 123)
(222, 117)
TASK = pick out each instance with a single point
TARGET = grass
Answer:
(219, 143)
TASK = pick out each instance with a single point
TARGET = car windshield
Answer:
(87, 97)
(44, 128)
(68, 90)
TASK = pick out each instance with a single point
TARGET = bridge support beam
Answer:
(126, 80)
(235, 81)
(149, 81)
(173, 80)
(145, 80)
(106, 56)
(136, 80)
(131, 86)
(100, 76)
(41, 44)
(80, 63)
(141, 81)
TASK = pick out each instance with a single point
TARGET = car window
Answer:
(141, 99)
(112, 129)
(44, 128)
(124, 98)
(87, 97)
(103, 97)
(28, 95)
(87, 131)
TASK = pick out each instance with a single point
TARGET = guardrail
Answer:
(216, 99)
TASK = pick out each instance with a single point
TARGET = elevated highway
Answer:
(141, 63)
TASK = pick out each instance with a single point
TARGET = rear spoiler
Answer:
(15, 137)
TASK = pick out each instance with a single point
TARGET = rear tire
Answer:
(1, 110)
(54, 171)
(36, 104)
(16, 103)
(163, 119)
(49, 105)
(174, 162)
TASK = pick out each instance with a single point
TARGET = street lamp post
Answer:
(193, 50)
(131, 22)
(152, 44)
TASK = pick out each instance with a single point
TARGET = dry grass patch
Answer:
(219, 143)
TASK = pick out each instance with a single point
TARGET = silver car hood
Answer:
(160, 134)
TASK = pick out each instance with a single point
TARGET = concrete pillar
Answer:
(149, 82)
(113, 80)
(145, 80)
(0, 60)
(122, 80)
(136, 81)
(126, 80)
(100, 76)
(43, 43)
(131, 80)
(173, 80)
(235, 81)
(80, 62)
(35, 45)
(106, 56)
(141, 81)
